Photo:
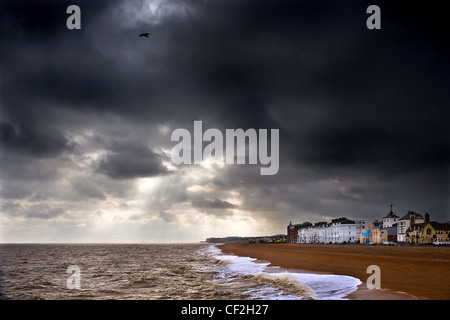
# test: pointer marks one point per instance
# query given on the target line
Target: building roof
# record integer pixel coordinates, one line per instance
(391, 231)
(440, 226)
(415, 226)
(391, 215)
(342, 220)
(437, 226)
(408, 215)
(320, 224)
(377, 224)
(299, 225)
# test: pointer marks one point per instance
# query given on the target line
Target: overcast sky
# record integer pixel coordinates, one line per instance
(87, 115)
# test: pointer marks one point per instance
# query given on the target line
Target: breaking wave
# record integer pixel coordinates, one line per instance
(287, 284)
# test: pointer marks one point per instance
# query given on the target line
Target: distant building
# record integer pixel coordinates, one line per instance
(405, 222)
(427, 232)
(360, 225)
(292, 231)
(374, 233)
(341, 230)
(392, 233)
(313, 233)
(390, 219)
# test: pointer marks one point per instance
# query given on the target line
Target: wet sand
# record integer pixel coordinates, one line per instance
(407, 272)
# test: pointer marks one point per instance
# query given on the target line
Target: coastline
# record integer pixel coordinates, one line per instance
(406, 272)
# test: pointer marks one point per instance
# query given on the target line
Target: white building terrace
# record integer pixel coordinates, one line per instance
(341, 230)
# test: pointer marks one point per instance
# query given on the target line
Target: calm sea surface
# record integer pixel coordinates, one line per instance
(153, 271)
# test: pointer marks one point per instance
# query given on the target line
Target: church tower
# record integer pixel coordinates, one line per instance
(390, 219)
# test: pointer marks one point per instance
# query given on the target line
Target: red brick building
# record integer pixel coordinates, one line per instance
(292, 231)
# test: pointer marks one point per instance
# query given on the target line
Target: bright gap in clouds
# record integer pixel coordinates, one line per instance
(152, 12)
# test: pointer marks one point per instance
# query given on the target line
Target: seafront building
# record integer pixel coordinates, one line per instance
(375, 233)
(381, 231)
(292, 231)
(390, 219)
(341, 230)
(405, 222)
(312, 233)
(412, 228)
(428, 232)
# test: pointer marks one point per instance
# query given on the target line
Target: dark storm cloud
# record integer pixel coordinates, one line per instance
(227, 65)
(33, 140)
(129, 161)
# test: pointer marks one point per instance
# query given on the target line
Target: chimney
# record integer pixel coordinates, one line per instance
(412, 217)
(427, 217)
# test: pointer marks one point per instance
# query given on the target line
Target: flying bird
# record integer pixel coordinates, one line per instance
(145, 35)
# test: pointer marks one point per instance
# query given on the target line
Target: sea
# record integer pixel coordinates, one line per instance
(199, 271)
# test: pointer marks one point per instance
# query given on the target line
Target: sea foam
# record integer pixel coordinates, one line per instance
(294, 285)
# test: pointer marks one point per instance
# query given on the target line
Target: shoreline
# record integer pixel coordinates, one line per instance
(407, 273)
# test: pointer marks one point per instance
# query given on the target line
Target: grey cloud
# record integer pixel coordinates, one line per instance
(86, 189)
(10, 207)
(201, 202)
(32, 140)
(22, 167)
(43, 211)
(11, 191)
(42, 196)
(129, 161)
(167, 217)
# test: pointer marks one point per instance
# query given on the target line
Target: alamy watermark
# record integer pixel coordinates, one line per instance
(374, 20)
(374, 280)
(74, 280)
(234, 146)
(74, 20)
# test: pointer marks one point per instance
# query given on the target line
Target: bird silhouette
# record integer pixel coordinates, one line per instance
(145, 35)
